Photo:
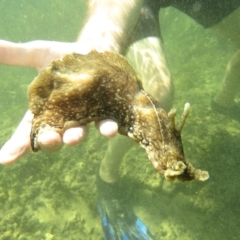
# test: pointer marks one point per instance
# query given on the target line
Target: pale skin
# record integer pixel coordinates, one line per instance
(38, 54)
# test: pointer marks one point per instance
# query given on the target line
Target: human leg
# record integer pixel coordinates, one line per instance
(231, 83)
(147, 57)
(224, 100)
(118, 217)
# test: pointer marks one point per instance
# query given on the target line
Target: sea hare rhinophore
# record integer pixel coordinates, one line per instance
(79, 89)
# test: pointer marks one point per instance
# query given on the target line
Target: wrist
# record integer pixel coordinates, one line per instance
(101, 36)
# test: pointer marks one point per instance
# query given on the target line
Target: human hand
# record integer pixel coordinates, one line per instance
(39, 54)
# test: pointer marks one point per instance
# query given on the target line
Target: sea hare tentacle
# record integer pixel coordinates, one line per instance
(79, 89)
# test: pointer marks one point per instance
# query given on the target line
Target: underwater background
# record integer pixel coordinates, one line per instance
(53, 196)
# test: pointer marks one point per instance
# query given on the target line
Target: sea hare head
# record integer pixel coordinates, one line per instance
(158, 134)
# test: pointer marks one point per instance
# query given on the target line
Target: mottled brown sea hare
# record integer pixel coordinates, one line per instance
(79, 89)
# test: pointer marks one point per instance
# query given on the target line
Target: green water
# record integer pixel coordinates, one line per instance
(53, 196)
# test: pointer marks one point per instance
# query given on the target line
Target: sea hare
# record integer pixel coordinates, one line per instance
(79, 89)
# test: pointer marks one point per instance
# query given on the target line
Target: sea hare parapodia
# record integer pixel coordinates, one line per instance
(79, 89)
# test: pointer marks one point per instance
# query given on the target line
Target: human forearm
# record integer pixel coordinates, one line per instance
(109, 24)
